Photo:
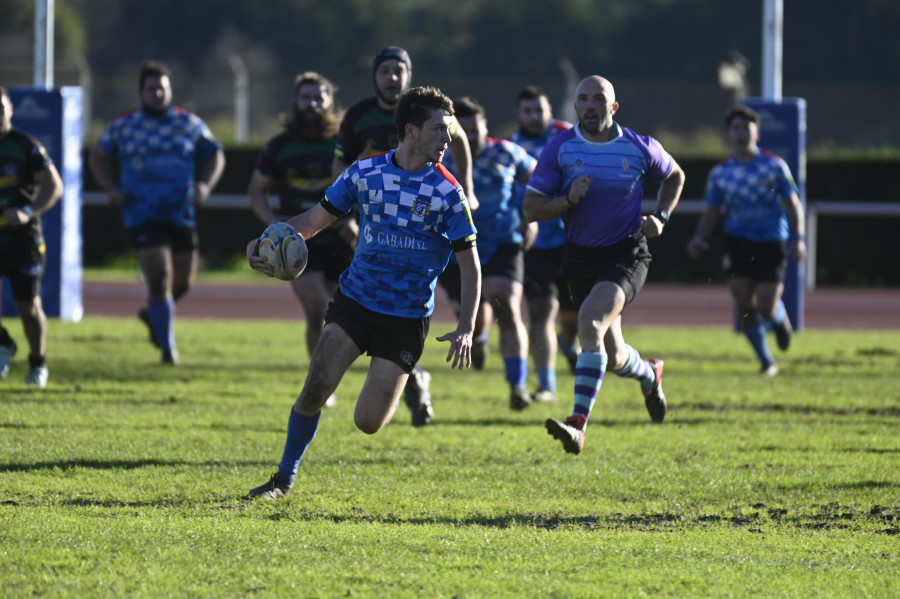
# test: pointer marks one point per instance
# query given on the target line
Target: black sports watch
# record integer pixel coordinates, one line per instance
(662, 215)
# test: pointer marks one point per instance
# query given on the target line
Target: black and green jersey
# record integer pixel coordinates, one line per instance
(366, 129)
(21, 156)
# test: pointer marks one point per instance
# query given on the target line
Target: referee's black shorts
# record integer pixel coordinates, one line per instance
(626, 264)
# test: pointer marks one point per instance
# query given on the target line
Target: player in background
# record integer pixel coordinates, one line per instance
(593, 176)
(546, 291)
(296, 164)
(368, 128)
(502, 235)
(754, 192)
(29, 186)
(156, 147)
(413, 215)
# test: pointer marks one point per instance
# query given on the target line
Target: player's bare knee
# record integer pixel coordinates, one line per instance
(366, 425)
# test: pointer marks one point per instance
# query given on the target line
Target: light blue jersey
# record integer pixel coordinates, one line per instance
(752, 196)
(611, 209)
(157, 160)
(551, 233)
(494, 172)
(408, 220)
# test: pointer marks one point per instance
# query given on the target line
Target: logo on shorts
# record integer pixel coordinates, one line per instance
(406, 358)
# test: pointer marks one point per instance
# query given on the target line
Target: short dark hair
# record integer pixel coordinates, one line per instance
(152, 68)
(417, 104)
(531, 92)
(739, 110)
(468, 106)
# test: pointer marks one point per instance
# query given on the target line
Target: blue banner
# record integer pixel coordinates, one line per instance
(53, 117)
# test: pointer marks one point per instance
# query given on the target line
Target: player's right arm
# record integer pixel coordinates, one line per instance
(50, 189)
(540, 207)
(343, 149)
(258, 190)
(705, 227)
(307, 224)
(102, 169)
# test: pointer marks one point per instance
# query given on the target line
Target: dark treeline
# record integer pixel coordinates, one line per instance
(841, 40)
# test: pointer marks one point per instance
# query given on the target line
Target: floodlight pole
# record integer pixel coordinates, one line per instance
(241, 98)
(773, 31)
(43, 43)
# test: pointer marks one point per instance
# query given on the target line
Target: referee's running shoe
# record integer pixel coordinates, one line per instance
(570, 432)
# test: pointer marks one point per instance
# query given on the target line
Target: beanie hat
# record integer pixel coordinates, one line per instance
(395, 52)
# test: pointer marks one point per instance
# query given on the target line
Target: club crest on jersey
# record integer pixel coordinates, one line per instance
(422, 206)
(376, 196)
(406, 358)
(626, 169)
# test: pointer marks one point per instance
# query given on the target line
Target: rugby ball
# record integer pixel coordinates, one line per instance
(285, 250)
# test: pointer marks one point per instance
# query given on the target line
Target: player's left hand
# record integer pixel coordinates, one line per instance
(460, 348)
(797, 249)
(201, 193)
(651, 226)
(13, 217)
(529, 235)
(256, 261)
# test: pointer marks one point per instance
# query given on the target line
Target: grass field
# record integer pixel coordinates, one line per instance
(124, 478)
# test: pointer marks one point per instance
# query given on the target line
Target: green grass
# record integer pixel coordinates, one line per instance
(127, 478)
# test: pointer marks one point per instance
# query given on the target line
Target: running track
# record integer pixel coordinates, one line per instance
(656, 305)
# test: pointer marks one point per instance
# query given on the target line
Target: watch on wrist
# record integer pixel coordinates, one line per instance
(662, 215)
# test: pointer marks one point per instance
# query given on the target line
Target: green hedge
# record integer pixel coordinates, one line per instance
(853, 251)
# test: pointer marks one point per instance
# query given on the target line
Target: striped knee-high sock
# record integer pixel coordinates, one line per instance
(589, 373)
(637, 368)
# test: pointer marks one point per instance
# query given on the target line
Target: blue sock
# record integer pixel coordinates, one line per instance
(589, 373)
(162, 317)
(516, 371)
(779, 313)
(301, 431)
(637, 368)
(568, 350)
(547, 379)
(756, 333)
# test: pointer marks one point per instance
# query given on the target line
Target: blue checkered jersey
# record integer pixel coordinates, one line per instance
(551, 233)
(408, 220)
(752, 196)
(157, 160)
(611, 210)
(494, 172)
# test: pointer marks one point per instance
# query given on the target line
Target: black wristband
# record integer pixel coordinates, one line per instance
(662, 216)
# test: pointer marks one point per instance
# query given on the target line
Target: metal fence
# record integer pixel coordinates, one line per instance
(814, 210)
